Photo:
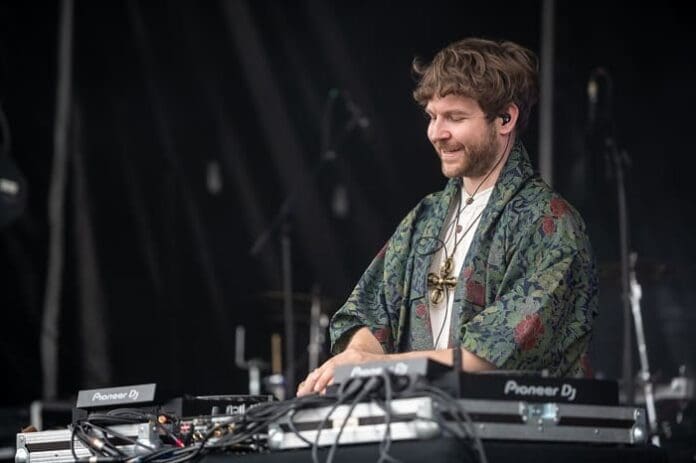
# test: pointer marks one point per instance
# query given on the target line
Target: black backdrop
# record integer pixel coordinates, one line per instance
(193, 121)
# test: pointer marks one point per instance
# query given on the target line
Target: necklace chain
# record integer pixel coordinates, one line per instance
(440, 283)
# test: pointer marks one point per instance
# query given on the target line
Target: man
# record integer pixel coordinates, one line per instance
(497, 264)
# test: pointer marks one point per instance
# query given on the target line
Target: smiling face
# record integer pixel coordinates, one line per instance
(464, 139)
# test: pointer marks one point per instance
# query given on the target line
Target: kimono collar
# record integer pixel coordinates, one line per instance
(516, 172)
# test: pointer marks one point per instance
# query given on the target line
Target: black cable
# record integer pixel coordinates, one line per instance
(312, 402)
(128, 416)
(293, 428)
(446, 406)
(86, 441)
(73, 433)
(369, 386)
(108, 448)
(112, 432)
(315, 444)
(343, 394)
(138, 416)
(385, 444)
(201, 445)
(253, 425)
(261, 417)
(458, 412)
(403, 389)
(247, 429)
(440, 418)
(185, 451)
(153, 456)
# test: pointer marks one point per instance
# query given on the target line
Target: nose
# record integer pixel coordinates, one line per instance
(438, 131)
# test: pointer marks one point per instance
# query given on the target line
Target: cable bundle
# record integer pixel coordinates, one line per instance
(248, 432)
(381, 390)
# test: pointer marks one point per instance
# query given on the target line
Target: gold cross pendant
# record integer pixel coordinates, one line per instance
(439, 284)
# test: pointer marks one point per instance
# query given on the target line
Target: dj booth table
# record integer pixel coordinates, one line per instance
(451, 450)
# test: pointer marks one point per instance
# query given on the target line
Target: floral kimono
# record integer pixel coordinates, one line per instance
(525, 298)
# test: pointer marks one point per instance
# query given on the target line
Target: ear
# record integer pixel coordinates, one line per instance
(505, 128)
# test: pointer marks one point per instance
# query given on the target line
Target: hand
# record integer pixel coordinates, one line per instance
(318, 379)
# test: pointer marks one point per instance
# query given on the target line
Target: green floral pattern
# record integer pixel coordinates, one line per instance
(526, 297)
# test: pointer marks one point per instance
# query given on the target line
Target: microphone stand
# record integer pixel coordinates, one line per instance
(645, 376)
(631, 294)
(281, 221)
(631, 291)
(602, 129)
(620, 159)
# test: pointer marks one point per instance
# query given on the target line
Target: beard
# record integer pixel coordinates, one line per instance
(478, 158)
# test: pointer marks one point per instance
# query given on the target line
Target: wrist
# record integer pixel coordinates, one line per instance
(364, 341)
(367, 349)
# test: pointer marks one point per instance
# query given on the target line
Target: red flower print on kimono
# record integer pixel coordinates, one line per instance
(558, 207)
(528, 331)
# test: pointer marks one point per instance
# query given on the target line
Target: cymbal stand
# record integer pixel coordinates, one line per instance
(645, 376)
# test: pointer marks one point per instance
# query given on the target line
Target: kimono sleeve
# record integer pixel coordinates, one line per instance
(541, 318)
(364, 307)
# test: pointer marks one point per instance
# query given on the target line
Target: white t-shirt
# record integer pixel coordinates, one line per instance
(470, 216)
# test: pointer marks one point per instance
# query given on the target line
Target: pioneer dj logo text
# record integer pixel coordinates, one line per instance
(566, 391)
(103, 397)
(399, 368)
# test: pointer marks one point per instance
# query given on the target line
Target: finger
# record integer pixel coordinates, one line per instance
(323, 380)
(307, 386)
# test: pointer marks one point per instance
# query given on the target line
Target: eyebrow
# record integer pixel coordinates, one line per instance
(453, 112)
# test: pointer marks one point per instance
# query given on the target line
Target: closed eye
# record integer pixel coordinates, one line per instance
(456, 117)
(449, 116)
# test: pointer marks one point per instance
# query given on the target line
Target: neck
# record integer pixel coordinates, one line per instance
(473, 185)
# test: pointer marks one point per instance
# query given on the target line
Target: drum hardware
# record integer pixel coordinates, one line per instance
(253, 366)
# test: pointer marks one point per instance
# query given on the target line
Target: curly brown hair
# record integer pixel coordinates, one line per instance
(495, 74)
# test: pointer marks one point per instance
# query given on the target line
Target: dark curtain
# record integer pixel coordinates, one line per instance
(194, 122)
